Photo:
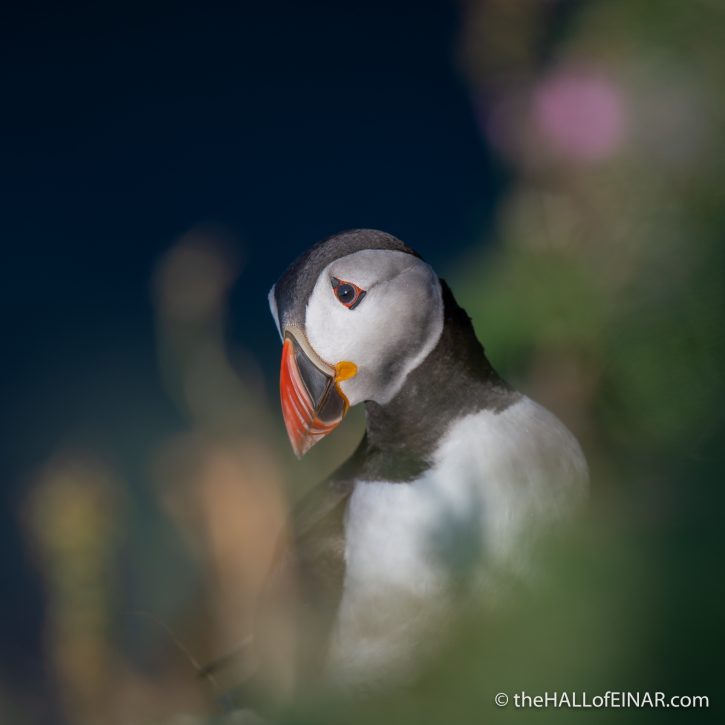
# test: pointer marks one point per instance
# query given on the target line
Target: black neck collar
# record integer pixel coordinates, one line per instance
(456, 379)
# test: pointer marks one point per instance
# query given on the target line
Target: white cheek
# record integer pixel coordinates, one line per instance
(392, 331)
(337, 333)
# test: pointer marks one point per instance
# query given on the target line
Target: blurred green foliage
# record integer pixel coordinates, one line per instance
(603, 296)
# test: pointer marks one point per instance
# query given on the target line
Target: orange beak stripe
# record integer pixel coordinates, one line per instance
(309, 417)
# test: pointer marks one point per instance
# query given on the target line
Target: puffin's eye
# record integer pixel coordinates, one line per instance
(348, 293)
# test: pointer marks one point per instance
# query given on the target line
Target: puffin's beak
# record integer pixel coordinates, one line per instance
(312, 403)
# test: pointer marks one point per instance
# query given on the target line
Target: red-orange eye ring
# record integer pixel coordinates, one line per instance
(347, 293)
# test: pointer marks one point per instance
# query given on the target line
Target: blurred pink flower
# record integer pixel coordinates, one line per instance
(580, 113)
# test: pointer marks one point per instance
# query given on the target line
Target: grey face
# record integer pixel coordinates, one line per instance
(388, 333)
(366, 310)
(288, 298)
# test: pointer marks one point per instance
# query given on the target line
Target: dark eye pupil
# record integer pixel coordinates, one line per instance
(345, 292)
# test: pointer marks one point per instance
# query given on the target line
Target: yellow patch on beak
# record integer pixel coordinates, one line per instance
(344, 371)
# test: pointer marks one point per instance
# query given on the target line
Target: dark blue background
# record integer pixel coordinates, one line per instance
(124, 127)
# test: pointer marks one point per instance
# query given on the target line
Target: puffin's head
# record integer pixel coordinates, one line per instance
(356, 314)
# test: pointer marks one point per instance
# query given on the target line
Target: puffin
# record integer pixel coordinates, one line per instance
(456, 476)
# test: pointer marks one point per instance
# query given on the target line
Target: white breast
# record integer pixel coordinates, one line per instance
(496, 478)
